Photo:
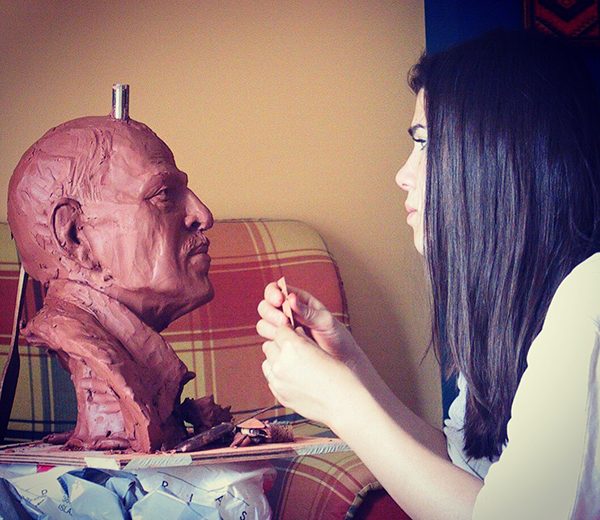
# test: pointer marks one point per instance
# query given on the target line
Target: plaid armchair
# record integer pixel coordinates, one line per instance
(219, 343)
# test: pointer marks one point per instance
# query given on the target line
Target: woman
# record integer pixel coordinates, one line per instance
(503, 195)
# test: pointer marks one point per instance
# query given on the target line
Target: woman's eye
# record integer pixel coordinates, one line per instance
(421, 142)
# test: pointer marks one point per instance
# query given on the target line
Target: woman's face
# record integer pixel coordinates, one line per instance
(411, 177)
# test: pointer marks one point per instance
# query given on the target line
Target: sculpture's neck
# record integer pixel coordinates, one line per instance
(110, 313)
(132, 374)
(145, 344)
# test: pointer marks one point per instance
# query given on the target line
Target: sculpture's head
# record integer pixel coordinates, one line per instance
(101, 201)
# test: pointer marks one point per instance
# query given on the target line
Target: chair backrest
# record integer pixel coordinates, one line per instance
(217, 341)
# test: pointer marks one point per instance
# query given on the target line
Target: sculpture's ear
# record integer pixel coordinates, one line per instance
(66, 229)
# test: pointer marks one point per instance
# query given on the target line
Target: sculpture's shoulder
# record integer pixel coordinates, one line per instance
(61, 325)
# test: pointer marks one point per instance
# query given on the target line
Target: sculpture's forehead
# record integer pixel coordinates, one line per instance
(131, 140)
(137, 138)
(97, 156)
(137, 153)
(138, 163)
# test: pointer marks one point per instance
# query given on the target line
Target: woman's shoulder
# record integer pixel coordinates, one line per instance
(571, 327)
(578, 295)
(553, 433)
(589, 267)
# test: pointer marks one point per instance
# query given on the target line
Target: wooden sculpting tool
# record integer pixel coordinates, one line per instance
(287, 310)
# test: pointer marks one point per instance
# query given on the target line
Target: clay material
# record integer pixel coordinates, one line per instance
(102, 215)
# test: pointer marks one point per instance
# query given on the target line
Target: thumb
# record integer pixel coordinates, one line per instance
(312, 317)
(310, 343)
(302, 333)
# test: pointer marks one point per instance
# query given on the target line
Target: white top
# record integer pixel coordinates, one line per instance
(550, 467)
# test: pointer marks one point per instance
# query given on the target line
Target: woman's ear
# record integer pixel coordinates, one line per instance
(66, 225)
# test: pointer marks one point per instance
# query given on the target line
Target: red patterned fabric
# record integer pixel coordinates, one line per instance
(328, 486)
(219, 343)
(574, 19)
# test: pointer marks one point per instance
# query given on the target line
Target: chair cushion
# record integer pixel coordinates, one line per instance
(328, 485)
(217, 341)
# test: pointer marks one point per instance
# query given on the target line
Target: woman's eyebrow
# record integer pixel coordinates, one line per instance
(413, 129)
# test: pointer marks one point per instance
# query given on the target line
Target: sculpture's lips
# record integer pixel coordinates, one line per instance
(201, 248)
(198, 255)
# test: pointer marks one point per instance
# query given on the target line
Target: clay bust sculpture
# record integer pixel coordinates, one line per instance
(102, 215)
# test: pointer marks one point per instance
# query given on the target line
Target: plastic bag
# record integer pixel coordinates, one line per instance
(101, 494)
(162, 504)
(45, 492)
(15, 507)
(237, 490)
(227, 491)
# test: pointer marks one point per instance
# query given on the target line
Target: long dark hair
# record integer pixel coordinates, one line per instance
(512, 206)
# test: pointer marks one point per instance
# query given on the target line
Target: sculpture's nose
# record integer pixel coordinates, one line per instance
(197, 216)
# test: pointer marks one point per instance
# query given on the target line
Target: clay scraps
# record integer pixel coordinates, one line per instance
(213, 424)
(253, 431)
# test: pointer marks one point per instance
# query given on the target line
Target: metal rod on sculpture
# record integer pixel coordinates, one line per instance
(120, 101)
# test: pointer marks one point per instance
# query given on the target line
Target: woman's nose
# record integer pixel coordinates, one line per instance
(197, 214)
(405, 178)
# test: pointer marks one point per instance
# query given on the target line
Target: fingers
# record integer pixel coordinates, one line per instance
(308, 309)
(301, 332)
(265, 329)
(271, 350)
(305, 297)
(312, 314)
(286, 338)
(266, 369)
(273, 295)
(288, 341)
(268, 373)
(271, 314)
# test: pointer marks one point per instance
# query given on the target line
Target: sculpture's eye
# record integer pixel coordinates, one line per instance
(163, 198)
(165, 189)
(162, 195)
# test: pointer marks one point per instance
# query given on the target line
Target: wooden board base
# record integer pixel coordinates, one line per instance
(52, 455)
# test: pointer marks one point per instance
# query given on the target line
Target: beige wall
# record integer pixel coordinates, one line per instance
(275, 109)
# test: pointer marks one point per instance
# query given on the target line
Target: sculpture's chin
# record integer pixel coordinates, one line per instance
(185, 305)
(155, 308)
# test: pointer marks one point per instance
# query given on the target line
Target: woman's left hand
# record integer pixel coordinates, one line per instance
(302, 376)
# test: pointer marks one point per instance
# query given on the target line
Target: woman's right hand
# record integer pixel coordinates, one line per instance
(328, 332)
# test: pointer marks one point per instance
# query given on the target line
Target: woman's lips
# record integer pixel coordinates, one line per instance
(410, 211)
